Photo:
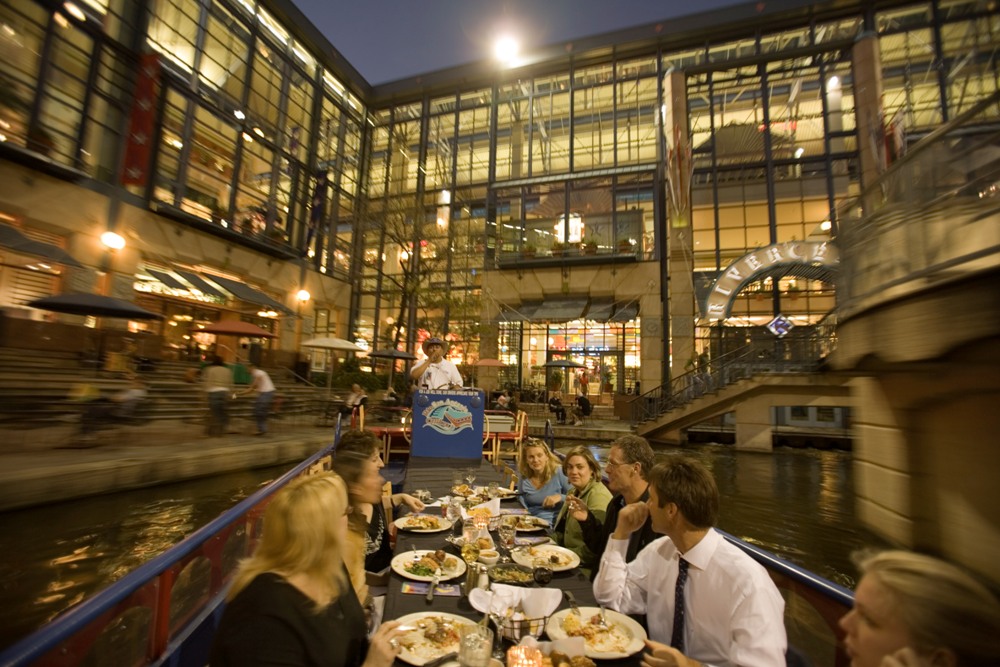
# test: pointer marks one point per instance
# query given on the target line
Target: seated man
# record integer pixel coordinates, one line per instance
(706, 601)
(119, 406)
(582, 409)
(556, 406)
(355, 399)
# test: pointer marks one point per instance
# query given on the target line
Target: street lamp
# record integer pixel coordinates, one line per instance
(112, 241)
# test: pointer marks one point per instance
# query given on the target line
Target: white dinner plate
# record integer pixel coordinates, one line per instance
(536, 524)
(632, 631)
(540, 556)
(419, 657)
(398, 563)
(403, 523)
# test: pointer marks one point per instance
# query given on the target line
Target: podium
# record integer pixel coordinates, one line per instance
(448, 423)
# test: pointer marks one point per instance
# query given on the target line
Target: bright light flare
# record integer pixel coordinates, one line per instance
(112, 240)
(505, 49)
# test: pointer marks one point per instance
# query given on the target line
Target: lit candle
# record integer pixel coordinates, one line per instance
(482, 521)
(523, 656)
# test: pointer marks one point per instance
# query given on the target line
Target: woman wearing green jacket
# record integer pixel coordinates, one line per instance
(584, 474)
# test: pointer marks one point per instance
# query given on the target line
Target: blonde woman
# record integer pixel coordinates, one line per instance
(912, 610)
(364, 490)
(291, 602)
(588, 494)
(543, 484)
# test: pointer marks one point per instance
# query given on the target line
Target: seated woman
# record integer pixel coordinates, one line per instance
(543, 484)
(290, 603)
(364, 491)
(377, 550)
(912, 610)
(588, 495)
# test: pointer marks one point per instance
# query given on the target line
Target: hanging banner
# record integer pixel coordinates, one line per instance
(142, 122)
(448, 423)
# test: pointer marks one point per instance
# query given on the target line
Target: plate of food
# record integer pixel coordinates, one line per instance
(511, 573)
(530, 524)
(422, 523)
(618, 637)
(484, 541)
(463, 490)
(552, 556)
(429, 635)
(423, 564)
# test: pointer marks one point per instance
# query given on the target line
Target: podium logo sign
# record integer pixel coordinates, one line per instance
(447, 417)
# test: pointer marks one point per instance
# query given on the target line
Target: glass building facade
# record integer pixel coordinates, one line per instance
(532, 214)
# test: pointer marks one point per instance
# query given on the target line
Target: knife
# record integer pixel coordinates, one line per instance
(434, 583)
(443, 659)
(571, 599)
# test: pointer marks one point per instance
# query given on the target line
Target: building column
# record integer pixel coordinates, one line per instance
(866, 66)
(680, 238)
(753, 425)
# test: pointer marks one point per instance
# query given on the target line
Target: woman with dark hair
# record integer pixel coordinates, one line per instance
(587, 492)
(543, 484)
(290, 603)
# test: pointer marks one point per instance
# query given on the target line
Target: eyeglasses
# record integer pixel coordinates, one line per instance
(615, 464)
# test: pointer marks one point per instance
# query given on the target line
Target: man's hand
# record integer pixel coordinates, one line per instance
(661, 655)
(553, 500)
(907, 657)
(577, 508)
(630, 519)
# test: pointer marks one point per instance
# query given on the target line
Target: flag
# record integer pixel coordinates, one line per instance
(141, 122)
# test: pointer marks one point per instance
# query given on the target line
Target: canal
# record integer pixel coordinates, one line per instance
(797, 503)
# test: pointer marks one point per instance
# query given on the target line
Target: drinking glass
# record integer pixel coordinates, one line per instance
(456, 478)
(506, 534)
(454, 511)
(475, 646)
(470, 531)
(493, 490)
(470, 476)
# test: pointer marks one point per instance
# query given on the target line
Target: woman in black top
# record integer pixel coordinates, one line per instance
(291, 603)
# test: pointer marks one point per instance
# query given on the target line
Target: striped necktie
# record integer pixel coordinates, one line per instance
(677, 636)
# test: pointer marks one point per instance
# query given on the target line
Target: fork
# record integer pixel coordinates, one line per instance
(603, 621)
(416, 556)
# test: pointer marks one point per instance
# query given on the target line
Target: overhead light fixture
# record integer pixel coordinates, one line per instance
(505, 49)
(247, 138)
(799, 152)
(74, 11)
(259, 132)
(239, 114)
(825, 225)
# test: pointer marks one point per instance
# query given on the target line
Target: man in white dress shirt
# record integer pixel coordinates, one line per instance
(436, 372)
(732, 613)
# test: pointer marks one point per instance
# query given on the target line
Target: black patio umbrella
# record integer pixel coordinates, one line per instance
(94, 304)
(393, 356)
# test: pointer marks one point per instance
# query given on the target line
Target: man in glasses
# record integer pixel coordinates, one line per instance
(627, 465)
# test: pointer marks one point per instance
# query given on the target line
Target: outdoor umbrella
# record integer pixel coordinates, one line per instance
(392, 355)
(566, 364)
(236, 328)
(329, 343)
(94, 304)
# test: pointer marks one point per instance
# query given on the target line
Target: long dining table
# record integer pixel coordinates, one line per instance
(435, 475)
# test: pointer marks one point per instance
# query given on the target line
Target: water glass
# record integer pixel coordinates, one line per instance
(493, 490)
(457, 477)
(454, 510)
(506, 534)
(470, 531)
(475, 646)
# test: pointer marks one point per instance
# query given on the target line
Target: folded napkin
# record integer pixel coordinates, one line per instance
(492, 505)
(536, 602)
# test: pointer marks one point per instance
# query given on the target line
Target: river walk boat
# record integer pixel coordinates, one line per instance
(166, 611)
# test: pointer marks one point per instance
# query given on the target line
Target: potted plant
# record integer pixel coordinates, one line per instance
(529, 251)
(590, 248)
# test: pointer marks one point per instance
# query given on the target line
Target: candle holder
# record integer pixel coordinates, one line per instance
(523, 656)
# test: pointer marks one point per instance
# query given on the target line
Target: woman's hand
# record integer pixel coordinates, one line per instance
(907, 657)
(553, 500)
(413, 503)
(384, 647)
(577, 508)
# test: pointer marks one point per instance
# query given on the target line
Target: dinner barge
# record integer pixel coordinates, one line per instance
(166, 611)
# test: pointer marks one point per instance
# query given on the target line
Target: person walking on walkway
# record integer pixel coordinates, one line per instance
(261, 383)
(218, 383)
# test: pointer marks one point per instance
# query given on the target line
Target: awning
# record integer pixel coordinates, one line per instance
(199, 284)
(561, 310)
(626, 312)
(13, 238)
(600, 312)
(249, 294)
(167, 279)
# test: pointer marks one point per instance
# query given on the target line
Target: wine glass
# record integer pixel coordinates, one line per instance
(454, 510)
(470, 476)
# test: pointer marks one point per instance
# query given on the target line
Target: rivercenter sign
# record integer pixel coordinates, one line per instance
(754, 265)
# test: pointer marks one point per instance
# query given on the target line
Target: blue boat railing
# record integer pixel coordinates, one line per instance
(165, 612)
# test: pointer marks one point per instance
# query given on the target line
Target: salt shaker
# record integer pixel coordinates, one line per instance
(484, 578)
(472, 577)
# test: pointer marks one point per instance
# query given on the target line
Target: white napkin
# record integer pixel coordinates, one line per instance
(492, 505)
(536, 602)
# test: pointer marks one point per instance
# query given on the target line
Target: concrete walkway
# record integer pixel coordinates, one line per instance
(46, 465)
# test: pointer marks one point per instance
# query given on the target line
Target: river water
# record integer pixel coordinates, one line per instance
(798, 504)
